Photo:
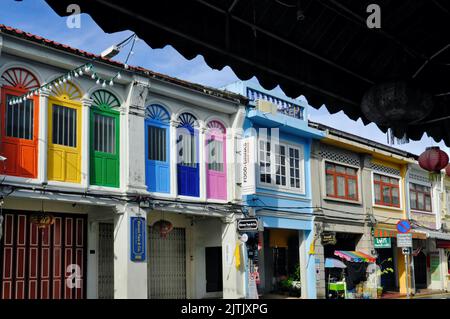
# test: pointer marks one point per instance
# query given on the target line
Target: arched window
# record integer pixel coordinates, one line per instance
(19, 123)
(157, 149)
(105, 139)
(187, 148)
(64, 133)
(216, 181)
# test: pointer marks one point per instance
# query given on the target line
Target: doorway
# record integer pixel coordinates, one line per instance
(420, 270)
(167, 264)
(213, 263)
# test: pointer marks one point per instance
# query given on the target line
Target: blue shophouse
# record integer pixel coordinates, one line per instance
(277, 187)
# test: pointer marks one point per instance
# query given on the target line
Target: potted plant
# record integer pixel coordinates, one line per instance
(379, 292)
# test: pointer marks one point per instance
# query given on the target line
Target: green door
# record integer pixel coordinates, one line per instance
(104, 140)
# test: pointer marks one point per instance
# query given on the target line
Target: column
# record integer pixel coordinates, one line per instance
(173, 157)
(319, 263)
(43, 135)
(233, 277)
(85, 142)
(307, 265)
(136, 135)
(130, 277)
(202, 161)
(92, 260)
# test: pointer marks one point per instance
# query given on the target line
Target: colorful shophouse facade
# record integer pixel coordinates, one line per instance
(364, 188)
(277, 187)
(81, 159)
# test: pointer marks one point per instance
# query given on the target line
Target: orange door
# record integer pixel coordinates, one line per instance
(19, 134)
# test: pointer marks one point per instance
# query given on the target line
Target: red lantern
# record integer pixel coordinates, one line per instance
(164, 227)
(433, 159)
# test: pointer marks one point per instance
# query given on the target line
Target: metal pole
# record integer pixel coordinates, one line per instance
(407, 276)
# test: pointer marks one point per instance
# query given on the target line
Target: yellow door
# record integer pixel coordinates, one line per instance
(64, 140)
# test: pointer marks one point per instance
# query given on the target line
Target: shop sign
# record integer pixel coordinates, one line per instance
(248, 166)
(382, 242)
(137, 238)
(404, 240)
(247, 224)
(328, 238)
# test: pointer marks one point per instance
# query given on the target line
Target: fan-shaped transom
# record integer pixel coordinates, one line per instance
(187, 120)
(156, 112)
(20, 78)
(103, 99)
(66, 91)
(216, 127)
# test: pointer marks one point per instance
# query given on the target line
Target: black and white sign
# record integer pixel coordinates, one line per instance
(404, 240)
(406, 251)
(247, 224)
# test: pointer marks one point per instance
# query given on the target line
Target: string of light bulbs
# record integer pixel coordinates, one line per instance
(87, 68)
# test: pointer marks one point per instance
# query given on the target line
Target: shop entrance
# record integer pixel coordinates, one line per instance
(385, 260)
(420, 270)
(213, 263)
(283, 262)
(43, 263)
(344, 241)
(167, 264)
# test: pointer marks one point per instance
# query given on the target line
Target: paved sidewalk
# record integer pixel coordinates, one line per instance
(423, 293)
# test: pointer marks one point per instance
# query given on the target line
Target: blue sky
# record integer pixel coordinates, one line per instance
(37, 17)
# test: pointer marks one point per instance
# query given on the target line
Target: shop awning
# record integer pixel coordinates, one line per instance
(435, 234)
(354, 256)
(321, 49)
(443, 244)
(391, 232)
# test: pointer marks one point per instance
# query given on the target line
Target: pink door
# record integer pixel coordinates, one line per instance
(216, 167)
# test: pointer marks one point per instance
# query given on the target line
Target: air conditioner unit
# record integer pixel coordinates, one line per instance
(266, 106)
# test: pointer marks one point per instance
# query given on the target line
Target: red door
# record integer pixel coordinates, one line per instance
(19, 124)
(46, 263)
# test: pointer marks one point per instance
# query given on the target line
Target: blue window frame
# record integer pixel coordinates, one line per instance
(157, 149)
(187, 149)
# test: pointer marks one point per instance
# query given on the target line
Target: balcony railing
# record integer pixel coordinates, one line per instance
(283, 107)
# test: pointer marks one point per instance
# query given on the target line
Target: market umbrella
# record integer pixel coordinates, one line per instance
(334, 263)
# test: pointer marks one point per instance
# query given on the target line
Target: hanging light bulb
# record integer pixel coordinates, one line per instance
(80, 72)
(126, 66)
(104, 84)
(65, 80)
(86, 68)
(111, 83)
(69, 77)
(93, 76)
(98, 81)
(60, 82)
(36, 92)
(118, 75)
(49, 87)
(56, 84)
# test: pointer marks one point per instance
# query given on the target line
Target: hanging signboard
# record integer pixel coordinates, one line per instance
(328, 238)
(247, 224)
(248, 166)
(404, 240)
(137, 238)
(382, 242)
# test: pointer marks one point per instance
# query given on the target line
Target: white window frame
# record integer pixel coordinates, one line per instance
(400, 190)
(272, 185)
